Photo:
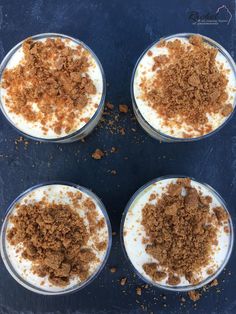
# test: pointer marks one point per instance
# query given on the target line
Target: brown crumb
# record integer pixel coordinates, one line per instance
(123, 281)
(138, 291)
(114, 149)
(110, 106)
(98, 154)
(210, 271)
(151, 270)
(173, 280)
(226, 229)
(113, 270)
(214, 283)
(152, 197)
(226, 111)
(113, 172)
(123, 108)
(122, 131)
(221, 214)
(194, 295)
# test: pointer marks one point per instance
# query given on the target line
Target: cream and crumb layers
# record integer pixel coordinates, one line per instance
(183, 87)
(56, 238)
(177, 234)
(51, 87)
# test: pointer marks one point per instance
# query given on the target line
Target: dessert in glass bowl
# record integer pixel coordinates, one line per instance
(52, 88)
(184, 88)
(56, 238)
(177, 233)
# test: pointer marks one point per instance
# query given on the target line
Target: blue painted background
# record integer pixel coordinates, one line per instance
(118, 31)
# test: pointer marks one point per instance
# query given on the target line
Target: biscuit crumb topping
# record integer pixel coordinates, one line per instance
(50, 85)
(56, 238)
(181, 233)
(188, 85)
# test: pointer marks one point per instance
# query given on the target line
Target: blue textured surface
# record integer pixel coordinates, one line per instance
(118, 31)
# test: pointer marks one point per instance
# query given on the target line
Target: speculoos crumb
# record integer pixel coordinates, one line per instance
(123, 108)
(98, 154)
(181, 233)
(139, 291)
(123, 281)
(110, 106)
(54, 76)
(55, 239)
(113, 270)
(194, 295)
(214, 283)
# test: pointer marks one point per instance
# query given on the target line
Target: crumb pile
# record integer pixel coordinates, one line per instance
(181, 231)
(56, 239)
(188, 85)
(115, 121)
(53, 76)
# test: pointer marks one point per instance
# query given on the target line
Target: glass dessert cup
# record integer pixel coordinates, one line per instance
(147, 125)
(128, 233)
(37, 287)
(94, 119)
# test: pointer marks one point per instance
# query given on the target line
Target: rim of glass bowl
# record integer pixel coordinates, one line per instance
(177, 288)
(158, 134)
(100, 106)
(14, 273)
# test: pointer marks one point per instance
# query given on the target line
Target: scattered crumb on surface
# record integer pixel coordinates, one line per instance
(214, 283)
(138, 291)
(21, 140)
(97, 154)
(123, 281)
(110, 106)
(113, 269)
(194, 295)
(123, 108)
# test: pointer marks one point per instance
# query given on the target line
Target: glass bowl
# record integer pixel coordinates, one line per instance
(24, 282)
(153, 132)
(90, 125)
(137, 265)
